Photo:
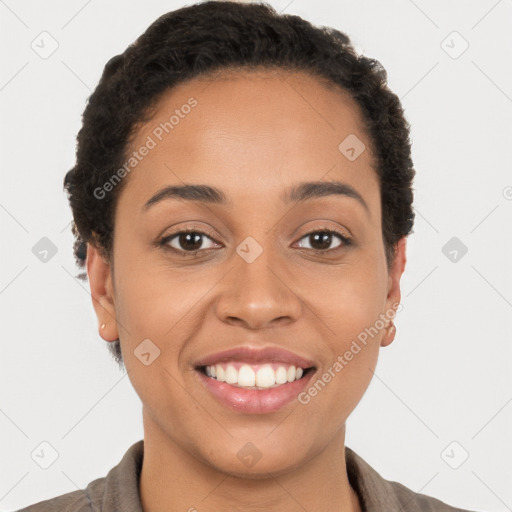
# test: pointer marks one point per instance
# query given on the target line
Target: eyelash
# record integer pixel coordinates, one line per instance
(163, 242)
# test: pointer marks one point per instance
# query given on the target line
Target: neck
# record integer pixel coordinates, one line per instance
(173, 479)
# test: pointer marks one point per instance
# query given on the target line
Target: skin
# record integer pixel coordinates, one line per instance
(253, 135)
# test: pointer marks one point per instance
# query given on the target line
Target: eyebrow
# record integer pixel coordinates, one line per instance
(298, 193)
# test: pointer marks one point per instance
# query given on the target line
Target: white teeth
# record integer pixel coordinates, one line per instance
(281, 375)
(221, 374)
(231, 375)
(260, 377)
(246, 376)
(265, 377)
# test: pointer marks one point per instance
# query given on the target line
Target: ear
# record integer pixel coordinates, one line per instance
(394, 295)
(100, 280)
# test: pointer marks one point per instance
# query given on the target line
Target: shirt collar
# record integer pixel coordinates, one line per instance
(374, 492)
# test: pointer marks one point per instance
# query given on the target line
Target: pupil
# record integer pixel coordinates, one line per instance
(325, 239)
(186, 238)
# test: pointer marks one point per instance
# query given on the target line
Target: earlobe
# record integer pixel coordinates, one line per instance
(100, 280)
(394, 293)
(389, 336)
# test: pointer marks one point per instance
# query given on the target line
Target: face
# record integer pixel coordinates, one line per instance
(268, 277)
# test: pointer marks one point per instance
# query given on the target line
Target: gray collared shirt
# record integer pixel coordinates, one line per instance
(119, 490)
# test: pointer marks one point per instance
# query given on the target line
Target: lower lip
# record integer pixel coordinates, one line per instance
(255, 401)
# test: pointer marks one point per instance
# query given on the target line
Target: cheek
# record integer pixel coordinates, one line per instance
(162, 306)
(349, 308)
(347, 298)
(349, 305)
(163, 310)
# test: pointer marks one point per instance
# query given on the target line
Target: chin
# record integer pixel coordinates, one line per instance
(255, 460)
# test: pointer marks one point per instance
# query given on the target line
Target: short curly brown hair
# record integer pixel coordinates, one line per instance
(206, 37)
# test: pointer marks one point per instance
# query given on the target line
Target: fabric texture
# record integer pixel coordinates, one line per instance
(119, 490)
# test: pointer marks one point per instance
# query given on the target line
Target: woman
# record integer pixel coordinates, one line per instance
(241, 198)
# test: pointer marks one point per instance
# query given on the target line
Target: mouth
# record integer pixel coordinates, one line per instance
(255, 376)
(254, 381)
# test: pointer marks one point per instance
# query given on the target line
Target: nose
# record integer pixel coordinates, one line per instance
(258, 295)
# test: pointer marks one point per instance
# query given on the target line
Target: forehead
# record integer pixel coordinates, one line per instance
(251, 133)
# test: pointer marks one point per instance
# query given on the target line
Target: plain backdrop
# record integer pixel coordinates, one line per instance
(437, 416)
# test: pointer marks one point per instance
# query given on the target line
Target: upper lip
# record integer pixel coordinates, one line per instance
(255, 355)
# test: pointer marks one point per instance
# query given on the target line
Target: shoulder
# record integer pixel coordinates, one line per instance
(116, 491)
(376, 493)
(416, 502)
(82, 500)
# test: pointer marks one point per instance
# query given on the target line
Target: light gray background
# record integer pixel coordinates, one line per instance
(445, 378)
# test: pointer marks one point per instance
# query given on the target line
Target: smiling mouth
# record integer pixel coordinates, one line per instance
(255, 376)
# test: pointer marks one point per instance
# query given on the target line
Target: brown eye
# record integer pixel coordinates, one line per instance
(190, 241)
(186, 241)
(321, 240)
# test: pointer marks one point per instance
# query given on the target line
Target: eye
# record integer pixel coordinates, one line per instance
(320, 240)
(186, 243)
(190, 242)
